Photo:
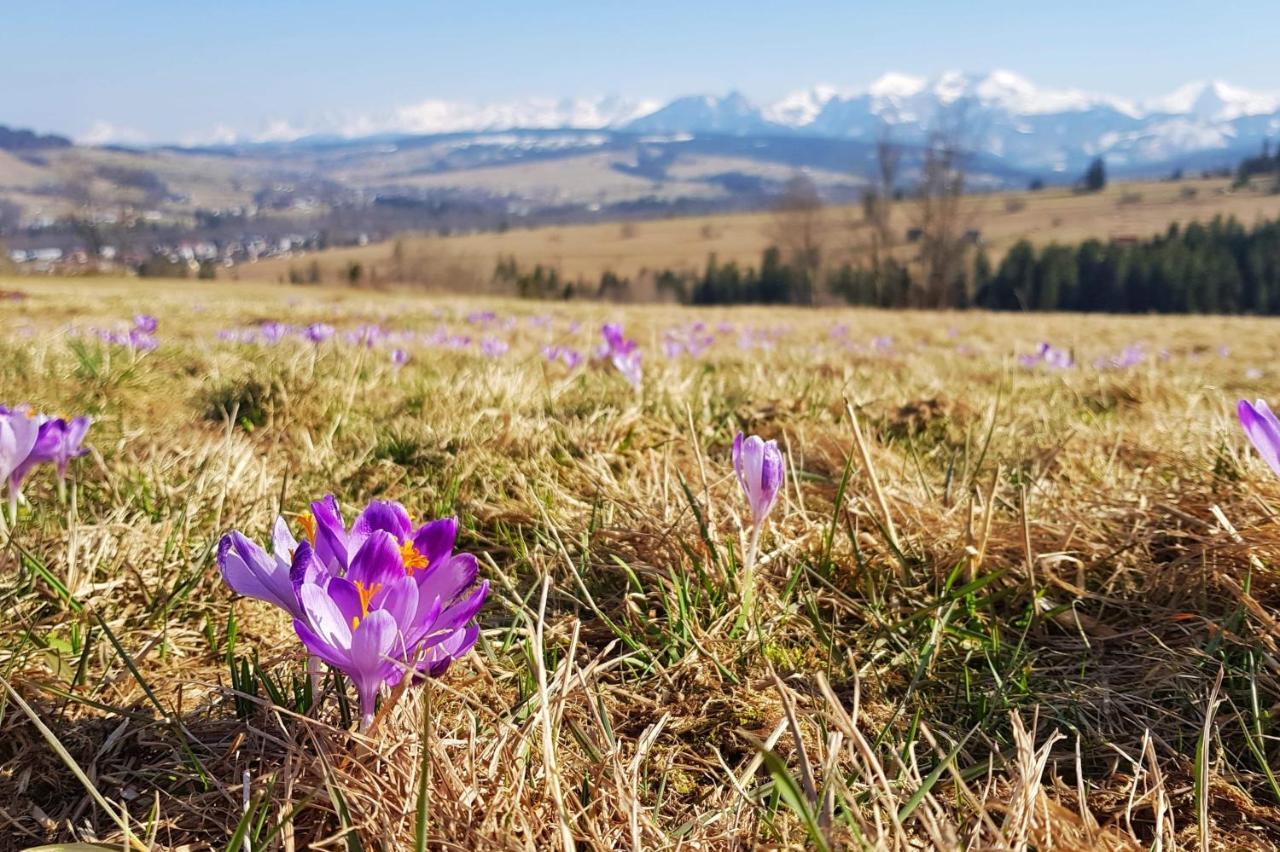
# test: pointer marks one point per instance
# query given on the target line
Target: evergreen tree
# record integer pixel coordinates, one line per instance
(1095, 177)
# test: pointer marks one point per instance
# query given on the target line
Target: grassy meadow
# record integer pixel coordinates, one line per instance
(998, 606)
(1123, 209)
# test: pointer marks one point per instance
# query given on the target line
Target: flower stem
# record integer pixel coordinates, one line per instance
(749, 575)
(316, 673)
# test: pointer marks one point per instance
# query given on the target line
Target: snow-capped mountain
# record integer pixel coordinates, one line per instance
(1003, 115)
(732, 114)
(1026, 128)
(800, 108)
(1214, 101)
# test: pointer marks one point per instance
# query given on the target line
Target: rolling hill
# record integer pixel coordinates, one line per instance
(447, 167)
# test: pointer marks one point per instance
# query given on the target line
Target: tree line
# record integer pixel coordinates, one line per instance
(1220, 266)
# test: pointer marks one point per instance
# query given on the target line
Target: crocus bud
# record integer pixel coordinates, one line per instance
(1263, 431)
(758, 464)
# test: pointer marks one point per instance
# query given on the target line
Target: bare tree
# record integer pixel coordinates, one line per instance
(85, 219)
(10, 216)
(877, 201)
(941, 222)
(798, 230)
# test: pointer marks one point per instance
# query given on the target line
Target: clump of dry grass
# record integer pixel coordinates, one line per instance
(1048, 621)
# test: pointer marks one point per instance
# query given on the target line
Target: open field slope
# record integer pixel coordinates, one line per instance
(1035, 608)
(1122, 210)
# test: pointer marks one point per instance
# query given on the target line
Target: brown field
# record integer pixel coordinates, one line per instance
(1004, 608)
(1123, 209)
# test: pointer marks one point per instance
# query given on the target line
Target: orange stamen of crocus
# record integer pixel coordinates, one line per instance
(308, 524)
(413, 560)
(366, 595)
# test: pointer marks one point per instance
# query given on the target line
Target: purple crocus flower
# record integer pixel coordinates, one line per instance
(318, 332)
(145, 323)
(141, 341)
(758, 464)
(622, 352)
(379, 602)
(567, 356)
(273, 332)
(366, 335)
(1130, 356)
(1263, 431)
(19, 431)
(399, 357)
(28, 439)
(135, 338)
(384, 621)
(1048, 355)
(493, 347)
(692, 340)
(59, 441)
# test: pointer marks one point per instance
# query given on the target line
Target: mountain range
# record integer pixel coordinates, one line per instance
(1048, 132)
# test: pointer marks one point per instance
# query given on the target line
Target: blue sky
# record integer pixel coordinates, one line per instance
(160, 70)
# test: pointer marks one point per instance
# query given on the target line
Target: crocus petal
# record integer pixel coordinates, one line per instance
(325, 618)
(400, 599)
(750, 463)
(463, 611)
(237, 574)
(76, 431)
(377, 562)
(306, 568)
(316, 646)
(423, 623)
(249, 571)
(346, 597)
(771, 473)
(448, 579)
(442, 655)
(283, 544)
(274, 576)
(435, 540)
(331, 533)
(1263, 431)
(759, 468)
(18, 434)
(385, 515)
(70, 447)
(370, 644)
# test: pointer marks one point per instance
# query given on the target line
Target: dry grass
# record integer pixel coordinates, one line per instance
(1079, 557)
(684, 243)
